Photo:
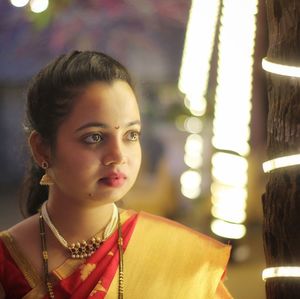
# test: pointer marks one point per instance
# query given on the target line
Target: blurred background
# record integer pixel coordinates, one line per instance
(197, 69)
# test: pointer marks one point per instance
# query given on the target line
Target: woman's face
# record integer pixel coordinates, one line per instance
(97, 154)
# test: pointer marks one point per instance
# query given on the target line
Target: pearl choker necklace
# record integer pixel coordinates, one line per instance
(48, 282)
(84, 248)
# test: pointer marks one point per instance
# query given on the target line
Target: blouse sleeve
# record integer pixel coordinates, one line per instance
(10, 275)
(2, 293)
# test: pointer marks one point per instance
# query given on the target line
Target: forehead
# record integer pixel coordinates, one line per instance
(111, 103)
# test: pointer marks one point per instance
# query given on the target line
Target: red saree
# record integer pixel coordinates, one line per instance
(162, 259)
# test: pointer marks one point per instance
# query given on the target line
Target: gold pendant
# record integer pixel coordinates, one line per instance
(84, 249)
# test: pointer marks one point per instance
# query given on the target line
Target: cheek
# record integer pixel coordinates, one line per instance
(137, 159)
(75, 162)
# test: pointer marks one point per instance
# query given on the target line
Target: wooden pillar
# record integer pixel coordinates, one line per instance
(281, 202)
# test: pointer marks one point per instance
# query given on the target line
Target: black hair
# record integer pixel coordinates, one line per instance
(50, 98)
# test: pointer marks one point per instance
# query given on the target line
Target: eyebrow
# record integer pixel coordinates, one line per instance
(105, 126)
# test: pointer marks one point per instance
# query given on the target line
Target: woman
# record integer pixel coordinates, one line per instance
(83, 123)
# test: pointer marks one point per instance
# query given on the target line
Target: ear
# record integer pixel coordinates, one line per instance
(40, 150)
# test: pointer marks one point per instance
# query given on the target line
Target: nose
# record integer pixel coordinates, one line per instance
(114, 154)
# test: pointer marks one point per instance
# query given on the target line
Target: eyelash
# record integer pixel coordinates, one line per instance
(100, 137)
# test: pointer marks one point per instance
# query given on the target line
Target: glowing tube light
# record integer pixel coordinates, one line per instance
(233, 132)
(193, 125)
(198, 48)
(280, 69)
(193, 161)
(191, 179)
(281, 162)
(232, 116)
(193, 80)
(190, 184)
(230, 214)
(284, 271)
(228, 230)
(229, 194)
(193, 150)
(229, 169)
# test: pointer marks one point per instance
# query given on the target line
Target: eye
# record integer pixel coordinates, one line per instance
(93, 138)
(133, 135)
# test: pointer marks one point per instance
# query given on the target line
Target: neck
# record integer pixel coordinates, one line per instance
(76, 222)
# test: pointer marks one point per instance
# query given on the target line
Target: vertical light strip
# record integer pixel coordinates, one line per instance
(231, 126)
(193, 79)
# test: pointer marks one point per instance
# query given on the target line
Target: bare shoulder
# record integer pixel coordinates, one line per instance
(26, 237)
(26, 230)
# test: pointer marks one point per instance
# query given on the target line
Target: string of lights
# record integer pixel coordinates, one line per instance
(193, 80)
(283, 271)
(280, 69)
(231, 134)
(281, 162)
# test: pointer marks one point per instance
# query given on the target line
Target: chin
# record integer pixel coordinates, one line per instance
(107, 198)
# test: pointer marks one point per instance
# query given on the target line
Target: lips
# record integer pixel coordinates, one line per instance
(115, 179)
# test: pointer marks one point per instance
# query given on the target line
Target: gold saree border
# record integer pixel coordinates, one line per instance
(24, 265)
(185, 264)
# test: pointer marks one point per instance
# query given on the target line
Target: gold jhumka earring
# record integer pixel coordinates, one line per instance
(46, 179)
